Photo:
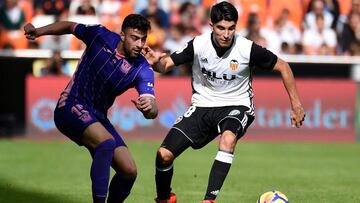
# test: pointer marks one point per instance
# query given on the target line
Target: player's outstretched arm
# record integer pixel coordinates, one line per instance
(147, 105)
(161, 62)
(297, 111)
(164, 65)
(57, 28)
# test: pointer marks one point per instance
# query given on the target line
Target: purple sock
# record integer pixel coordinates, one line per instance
(100, 169)
(120, 188)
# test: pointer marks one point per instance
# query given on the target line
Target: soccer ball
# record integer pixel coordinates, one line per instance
(273, 197)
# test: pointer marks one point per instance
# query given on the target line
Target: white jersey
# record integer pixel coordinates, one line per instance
(223, 80)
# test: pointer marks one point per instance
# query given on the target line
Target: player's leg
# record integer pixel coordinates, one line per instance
(231, 129)
(173, 145)
(124, 166)
(125, 175)
(102, 145)
(221, 165)
(77, 122)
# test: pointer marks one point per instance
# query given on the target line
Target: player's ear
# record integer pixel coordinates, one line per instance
(122, 35)
(211, 25)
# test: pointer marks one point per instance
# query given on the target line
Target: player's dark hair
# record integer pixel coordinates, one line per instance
(223, 11)
(136, 21)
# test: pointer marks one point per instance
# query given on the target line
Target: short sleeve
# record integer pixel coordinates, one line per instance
(87, 33)
(145, 81)
(185, 55)
(262, 58)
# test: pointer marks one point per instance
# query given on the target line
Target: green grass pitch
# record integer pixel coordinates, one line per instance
(56, 172)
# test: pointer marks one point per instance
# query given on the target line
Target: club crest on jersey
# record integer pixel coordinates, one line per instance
(234, 112)
(234, 64)
(125, 67)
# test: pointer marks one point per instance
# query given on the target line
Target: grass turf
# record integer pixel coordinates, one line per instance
(55, 172)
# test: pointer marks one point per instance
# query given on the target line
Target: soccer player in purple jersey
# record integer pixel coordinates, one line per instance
(110, 65)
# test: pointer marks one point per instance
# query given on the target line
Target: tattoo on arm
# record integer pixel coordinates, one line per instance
(151, 111)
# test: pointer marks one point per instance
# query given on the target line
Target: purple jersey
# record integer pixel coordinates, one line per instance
(102, 73)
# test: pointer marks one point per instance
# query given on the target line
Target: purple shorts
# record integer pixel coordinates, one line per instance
(73, 118)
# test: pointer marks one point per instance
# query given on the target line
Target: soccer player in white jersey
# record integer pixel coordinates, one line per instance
(222, 100)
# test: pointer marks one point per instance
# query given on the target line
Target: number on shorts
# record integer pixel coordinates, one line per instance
(189, 111)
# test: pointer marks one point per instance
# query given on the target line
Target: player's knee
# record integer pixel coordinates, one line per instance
(107, 145)
(130, 171)
(164, 157)
(228, 141)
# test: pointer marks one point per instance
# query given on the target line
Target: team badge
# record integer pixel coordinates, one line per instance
(178, 120)
(125, 67)
(234, 112)
(234, 64)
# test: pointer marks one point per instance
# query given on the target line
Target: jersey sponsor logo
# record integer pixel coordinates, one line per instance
(234, 64)
(212, 76)
(234, 112)
(204, 60)
(150, 84)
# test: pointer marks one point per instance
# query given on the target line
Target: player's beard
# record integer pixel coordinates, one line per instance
(132, 52)
(135, 52)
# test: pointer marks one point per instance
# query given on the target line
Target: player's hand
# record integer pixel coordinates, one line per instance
(30, 31)
(151, 56)
(143, 104)
(297, 116)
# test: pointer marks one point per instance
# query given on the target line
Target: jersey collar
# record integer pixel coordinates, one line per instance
(220, 51)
